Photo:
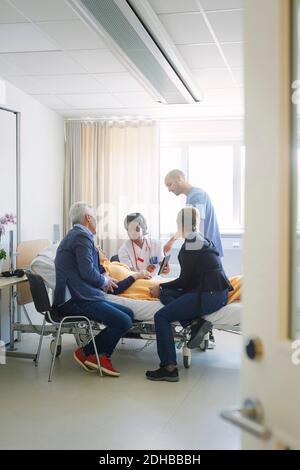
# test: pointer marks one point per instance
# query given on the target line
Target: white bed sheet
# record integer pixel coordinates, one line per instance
(144, 310)
(230, 315)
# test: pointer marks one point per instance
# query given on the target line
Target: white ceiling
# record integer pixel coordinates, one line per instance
(50, 53)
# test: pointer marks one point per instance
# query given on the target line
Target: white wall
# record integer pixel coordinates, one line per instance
(42, 171)
(8, 200)
(42, 165)
(202, 130)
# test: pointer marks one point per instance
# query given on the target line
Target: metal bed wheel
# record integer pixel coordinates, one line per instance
(187, 356)
(204, 345)
(84, 339)
(58, 351)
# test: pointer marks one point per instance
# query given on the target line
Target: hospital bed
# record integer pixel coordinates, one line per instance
(227, 319)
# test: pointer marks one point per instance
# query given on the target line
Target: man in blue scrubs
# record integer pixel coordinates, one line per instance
(176, 183)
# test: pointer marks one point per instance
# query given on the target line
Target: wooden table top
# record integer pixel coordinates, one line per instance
(10, 281)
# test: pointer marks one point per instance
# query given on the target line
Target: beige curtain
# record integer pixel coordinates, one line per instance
(72, 169)
(114, 166)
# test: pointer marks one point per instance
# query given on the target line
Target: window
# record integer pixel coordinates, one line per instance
(211, 168)
(216, 168)
(170, 205)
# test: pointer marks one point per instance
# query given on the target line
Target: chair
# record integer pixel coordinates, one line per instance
(26, 252)
(42, 304)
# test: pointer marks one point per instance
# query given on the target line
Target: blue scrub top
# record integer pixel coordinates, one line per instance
(208, 225)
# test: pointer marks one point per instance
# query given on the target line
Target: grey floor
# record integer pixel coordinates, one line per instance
(79, 410)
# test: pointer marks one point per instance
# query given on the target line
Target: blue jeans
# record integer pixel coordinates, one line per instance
(116, 318)
(183, 308)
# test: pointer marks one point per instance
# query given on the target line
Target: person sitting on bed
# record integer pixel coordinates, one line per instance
(201, 289)
(140, 252)
(136, 297)
(80, 282)
(43, 264)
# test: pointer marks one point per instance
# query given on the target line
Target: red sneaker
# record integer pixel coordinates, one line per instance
(81, 358)
(106, 365)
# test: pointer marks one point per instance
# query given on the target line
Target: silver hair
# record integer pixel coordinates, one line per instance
(78, 210)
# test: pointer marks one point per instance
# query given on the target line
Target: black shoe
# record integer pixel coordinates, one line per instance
(211, 336)
(163, 374)
(198, 331)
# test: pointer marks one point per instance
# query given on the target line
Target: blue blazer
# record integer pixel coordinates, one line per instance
(77, 267)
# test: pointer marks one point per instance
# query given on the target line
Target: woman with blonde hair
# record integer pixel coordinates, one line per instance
(201, 289)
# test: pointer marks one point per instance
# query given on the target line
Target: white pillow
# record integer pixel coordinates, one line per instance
(43, 264)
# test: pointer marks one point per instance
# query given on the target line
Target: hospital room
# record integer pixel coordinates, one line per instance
(149, 228)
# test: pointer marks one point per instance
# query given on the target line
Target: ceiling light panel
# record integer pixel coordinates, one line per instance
(119, 24)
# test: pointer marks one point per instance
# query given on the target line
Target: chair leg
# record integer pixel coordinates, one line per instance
(55, 350)
(37, 357)
(77, 337)
(95, 349)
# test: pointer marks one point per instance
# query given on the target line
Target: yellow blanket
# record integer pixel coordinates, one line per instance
(139, 290)
(235, 294)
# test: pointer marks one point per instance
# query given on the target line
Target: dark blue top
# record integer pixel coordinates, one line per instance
(201, 268)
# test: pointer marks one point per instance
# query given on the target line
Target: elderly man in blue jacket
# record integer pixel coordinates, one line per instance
(80, 287)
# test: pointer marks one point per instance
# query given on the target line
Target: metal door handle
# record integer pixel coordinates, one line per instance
(249, 417)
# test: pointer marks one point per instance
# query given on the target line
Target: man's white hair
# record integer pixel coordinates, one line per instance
(78, 211)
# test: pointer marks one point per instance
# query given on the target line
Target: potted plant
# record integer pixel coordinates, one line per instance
(2, 258)
(5, 220)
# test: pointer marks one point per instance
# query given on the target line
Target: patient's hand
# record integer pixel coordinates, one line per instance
(141, 275)
(154, 291)
(166, 269)
(150, 268)
(112, 284)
